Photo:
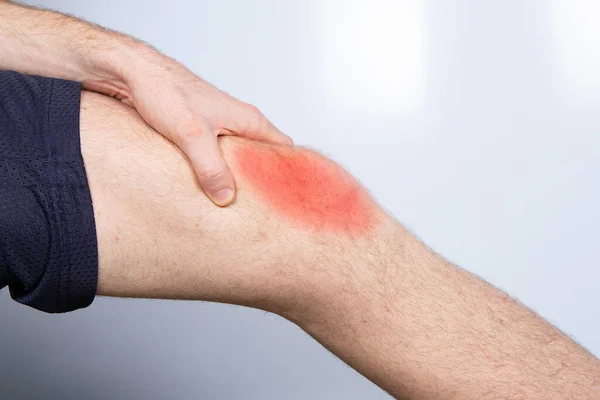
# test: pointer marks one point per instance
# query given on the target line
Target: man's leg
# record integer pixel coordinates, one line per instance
(304, 240)
(159, 236)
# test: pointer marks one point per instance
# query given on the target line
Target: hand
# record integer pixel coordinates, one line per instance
(192, 114)
(182, 107)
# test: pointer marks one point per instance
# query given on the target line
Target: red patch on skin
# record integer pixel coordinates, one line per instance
(306, 188)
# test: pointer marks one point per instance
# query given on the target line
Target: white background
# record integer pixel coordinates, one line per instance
(477, 124)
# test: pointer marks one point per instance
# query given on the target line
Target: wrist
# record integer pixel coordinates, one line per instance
(111, 56)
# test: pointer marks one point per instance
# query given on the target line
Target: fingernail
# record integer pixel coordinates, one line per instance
(224, 196)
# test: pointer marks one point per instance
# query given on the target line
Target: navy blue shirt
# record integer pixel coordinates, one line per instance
(48, 246)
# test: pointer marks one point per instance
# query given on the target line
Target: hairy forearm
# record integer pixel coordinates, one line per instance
(423, 328)
(42, 42)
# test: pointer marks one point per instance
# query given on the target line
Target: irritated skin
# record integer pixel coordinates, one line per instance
(305, 188)
(414, 324)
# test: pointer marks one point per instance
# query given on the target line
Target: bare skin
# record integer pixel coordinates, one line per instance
(416, 325)
(178, 104)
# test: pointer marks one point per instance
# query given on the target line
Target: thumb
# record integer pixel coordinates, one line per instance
(202, 148)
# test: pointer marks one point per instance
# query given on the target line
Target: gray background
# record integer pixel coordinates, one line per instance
(476, 123)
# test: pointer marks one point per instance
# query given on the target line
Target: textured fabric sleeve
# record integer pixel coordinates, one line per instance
(48, 246)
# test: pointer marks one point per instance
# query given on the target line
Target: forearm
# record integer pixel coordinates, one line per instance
(424, 329)
(42, 42)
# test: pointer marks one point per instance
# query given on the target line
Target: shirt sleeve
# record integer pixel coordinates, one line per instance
(48, 245)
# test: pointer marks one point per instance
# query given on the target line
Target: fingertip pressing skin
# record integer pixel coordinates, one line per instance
(224, 197)
(306, 188)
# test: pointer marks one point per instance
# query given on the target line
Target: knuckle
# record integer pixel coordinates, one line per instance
(253, 110)
(212, 176)
(254, 113)
(189, 131)
(256, 119)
